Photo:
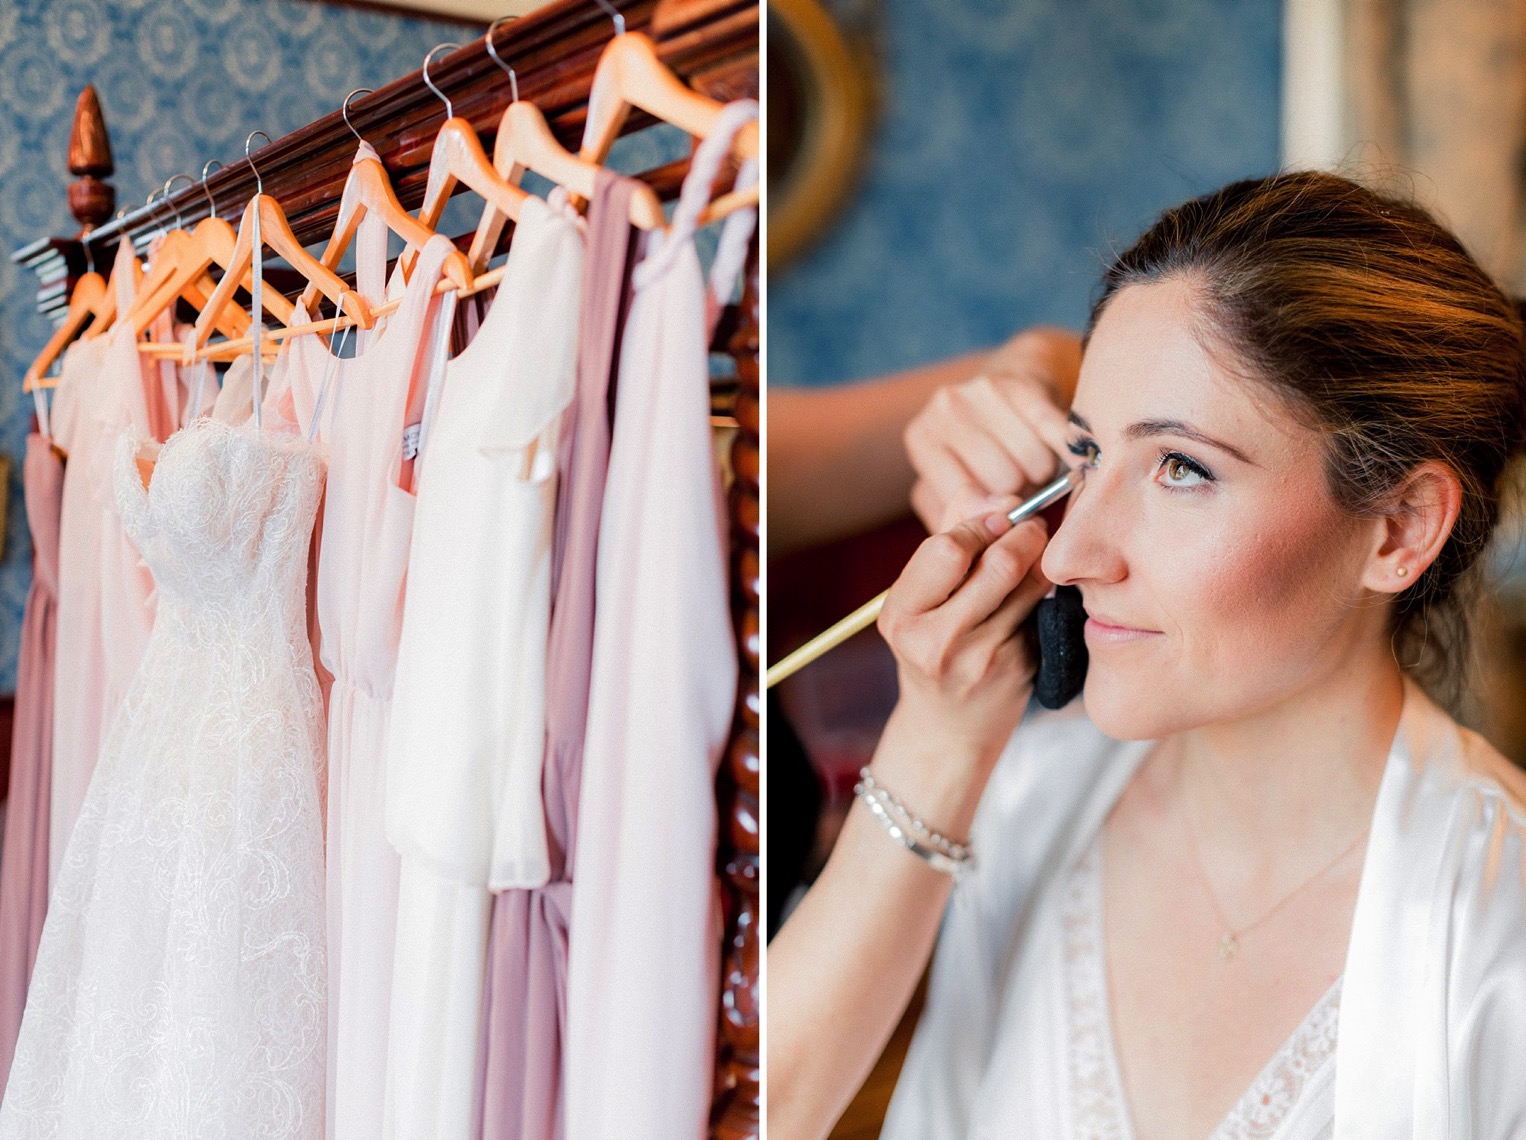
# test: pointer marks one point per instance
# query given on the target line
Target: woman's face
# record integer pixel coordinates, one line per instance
(1219, 575)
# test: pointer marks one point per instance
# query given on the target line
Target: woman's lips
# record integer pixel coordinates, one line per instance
(1106, 631)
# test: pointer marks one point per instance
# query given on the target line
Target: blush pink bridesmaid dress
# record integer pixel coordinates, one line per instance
(24, 859)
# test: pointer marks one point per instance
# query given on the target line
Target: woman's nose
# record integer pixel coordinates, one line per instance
(1086, 546)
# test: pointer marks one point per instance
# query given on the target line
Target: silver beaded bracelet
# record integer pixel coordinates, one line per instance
(940, 852)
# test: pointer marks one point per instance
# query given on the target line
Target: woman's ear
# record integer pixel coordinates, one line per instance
(1412, 531)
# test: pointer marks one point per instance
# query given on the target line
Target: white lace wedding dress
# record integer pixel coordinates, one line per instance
(179, 988)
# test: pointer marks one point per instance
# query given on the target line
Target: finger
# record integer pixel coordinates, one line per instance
(937, 567)
(928, 505)
(1018, 604)
(1050, 421)
(970, 508)
(1000, 569)
(1010, 624)
(937, 464)
(1005, 417)
(980, 446)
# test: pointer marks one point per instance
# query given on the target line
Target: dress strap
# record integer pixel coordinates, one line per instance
(257, 318)
(127, 289)
(370, 245)
(188, 340)
(40, 405)
(737, 229)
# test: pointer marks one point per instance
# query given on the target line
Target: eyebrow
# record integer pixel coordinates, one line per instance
(1146, 429)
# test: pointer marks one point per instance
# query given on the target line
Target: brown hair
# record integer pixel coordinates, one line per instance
(1376, 327)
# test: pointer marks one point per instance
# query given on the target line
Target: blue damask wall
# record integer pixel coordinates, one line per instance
(180, 83)
(1018, 141)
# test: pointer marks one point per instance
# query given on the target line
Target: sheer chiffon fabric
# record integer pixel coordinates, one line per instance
(644, 968)
(105, 593)
(520, 1079)
(467, 736)
(362, 564)
(24, 857)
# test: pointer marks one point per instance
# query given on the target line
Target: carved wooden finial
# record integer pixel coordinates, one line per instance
(91, 200)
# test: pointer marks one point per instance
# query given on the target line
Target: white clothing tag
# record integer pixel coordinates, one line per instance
(40, 403)
(411, 440)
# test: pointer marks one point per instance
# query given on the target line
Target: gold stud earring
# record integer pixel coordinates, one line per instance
(1402, 571)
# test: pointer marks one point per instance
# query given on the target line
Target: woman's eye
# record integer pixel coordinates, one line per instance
(1183, 472)
(1086, 450)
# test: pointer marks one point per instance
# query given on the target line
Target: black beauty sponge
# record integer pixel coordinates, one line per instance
(1062, 648)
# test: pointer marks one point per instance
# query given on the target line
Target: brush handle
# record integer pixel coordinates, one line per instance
(830, 638)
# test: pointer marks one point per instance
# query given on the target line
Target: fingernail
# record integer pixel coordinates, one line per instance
(997, 524)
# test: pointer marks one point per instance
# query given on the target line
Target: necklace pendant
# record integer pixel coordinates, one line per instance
(1228, 945)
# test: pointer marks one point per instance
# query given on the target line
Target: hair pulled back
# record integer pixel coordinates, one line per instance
(1379, 330)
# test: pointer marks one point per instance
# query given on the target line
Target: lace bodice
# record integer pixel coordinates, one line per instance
(224, 524)
(1098, 1105)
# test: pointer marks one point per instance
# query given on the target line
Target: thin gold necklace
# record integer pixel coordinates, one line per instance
(1229, 941)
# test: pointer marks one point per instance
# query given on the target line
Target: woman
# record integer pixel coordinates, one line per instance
(1263, 885)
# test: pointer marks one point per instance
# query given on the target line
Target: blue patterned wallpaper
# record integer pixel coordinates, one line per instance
(1018, 141)
(180, 83)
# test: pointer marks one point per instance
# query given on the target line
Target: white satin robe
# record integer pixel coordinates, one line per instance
(1432, 1027)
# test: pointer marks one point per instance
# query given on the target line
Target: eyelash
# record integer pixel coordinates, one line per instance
(1191, 464)
(1086, 450)
(1089, 453)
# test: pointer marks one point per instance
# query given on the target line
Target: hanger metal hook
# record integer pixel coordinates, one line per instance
(207, 190)
(153, 213)
(450, 110)
(259, 183)
(170, 198)
(613, 15)
(493, 51)
(344, 109)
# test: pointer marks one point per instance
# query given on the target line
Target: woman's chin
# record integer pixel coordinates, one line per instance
(1126, 706)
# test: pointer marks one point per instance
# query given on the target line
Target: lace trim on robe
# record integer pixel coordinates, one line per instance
(1099, 1109)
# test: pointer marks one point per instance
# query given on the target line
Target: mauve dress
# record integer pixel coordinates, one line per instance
(525, 998)
(24, 860)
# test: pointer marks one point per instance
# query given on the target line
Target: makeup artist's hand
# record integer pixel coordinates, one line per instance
(1001, 433)
(965, 669)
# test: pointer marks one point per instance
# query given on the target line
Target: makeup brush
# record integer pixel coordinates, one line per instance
(864, 616)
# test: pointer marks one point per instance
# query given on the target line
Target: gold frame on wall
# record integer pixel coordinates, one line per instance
(835, 81)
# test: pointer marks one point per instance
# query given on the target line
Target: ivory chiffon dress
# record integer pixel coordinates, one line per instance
(467, 737)
(520, 1081)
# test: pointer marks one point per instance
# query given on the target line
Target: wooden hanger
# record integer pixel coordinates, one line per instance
(84, 302)
(106, 311)
(628, 75)
(182, 272)
(195, 287)
(458, 157)
(213, 241)
(525, 142)
(368, 189)
(275, 234)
